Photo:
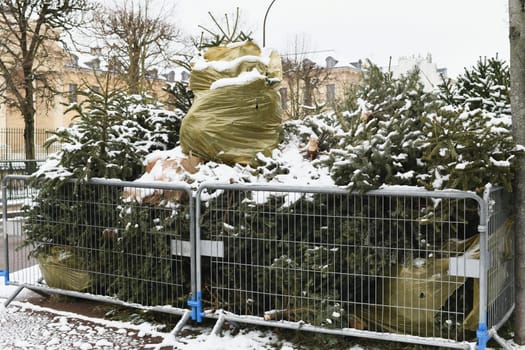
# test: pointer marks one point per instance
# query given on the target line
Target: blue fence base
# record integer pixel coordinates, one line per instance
(196, 307)
(5, 273)
(483, 336)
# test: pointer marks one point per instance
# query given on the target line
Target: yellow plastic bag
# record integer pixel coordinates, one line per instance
(61, 270)
(236, 112)
(413, 296)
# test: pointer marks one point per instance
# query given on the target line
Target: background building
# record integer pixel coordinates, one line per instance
(431, 76)
(70, 74)
(315, 81)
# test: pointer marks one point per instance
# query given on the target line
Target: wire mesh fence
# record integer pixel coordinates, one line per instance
(16, 255)
(501, 252)
(12, 151)
(18, 167)
(402, 264)
(114, 241)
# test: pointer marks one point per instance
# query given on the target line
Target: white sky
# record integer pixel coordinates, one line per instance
(455, 32)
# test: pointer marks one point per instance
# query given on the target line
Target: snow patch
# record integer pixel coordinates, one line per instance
(244, 78)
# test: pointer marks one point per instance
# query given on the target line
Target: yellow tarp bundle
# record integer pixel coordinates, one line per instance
(413, 296)
(236, 112)
(61, 270)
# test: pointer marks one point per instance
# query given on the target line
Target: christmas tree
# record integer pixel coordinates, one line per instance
(380, 146)
(469, 137)
(110, 138)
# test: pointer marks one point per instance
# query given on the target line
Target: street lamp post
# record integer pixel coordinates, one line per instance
(264, 23)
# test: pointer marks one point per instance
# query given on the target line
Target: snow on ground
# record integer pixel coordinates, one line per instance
(25, 325)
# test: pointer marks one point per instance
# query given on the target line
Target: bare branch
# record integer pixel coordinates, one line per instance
(28, 29)
(137, 40)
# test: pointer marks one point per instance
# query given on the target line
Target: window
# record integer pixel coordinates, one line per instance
(152, 74)
(330, 93)
(73, 61)
(95, 63)
(96, 51)
(330, 62)
(307, 96)
(170, 77)
(284, 97)
(73, 93)
(114, 64)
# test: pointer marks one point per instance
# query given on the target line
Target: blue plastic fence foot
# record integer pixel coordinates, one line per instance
(5, 273)
(483, 336)
(196, 307)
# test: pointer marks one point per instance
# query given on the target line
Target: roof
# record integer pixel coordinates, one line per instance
(326, 58)
(95, 60)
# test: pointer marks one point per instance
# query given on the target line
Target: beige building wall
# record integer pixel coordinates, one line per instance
(340, 78)
(68, 79)
(50, 114)
(80, 79)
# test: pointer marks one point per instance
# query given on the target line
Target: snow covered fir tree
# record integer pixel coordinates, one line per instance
(394, 134)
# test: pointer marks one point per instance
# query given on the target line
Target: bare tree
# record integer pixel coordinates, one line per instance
(517, 96)
(137, 39)
(29, 31)
(303, 78)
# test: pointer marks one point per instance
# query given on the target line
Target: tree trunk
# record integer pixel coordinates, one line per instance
(28, 112)
(133, 74)
(517, 74)
(29, 144)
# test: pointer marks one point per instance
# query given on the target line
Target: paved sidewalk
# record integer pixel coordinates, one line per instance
(26, 326)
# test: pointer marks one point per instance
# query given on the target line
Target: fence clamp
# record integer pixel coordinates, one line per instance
(196, 304)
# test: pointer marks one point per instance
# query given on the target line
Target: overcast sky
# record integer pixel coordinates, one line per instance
(455, 32)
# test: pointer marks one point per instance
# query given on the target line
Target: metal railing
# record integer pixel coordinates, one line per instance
(408, 265)
(12, 144)
(499, 266)
(12, 151)
(18, 167)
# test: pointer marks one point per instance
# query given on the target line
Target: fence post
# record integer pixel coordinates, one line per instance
(482, 332)
(5, 272)
(195, 301)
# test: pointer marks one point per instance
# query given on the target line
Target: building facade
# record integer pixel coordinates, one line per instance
(72, 73)
(430, 75)
(315, 83)
(68, 74)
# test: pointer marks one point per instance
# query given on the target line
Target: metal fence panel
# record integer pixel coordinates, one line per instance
(12, 151)
(501, 252)
(105, 240)
(16, 195)
(400, 262)
(408, 265)
(18, 167)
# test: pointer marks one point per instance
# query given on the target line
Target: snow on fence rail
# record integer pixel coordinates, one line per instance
(400, 264)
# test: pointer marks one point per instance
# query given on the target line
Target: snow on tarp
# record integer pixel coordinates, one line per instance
(243, 79)
(222, 66)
